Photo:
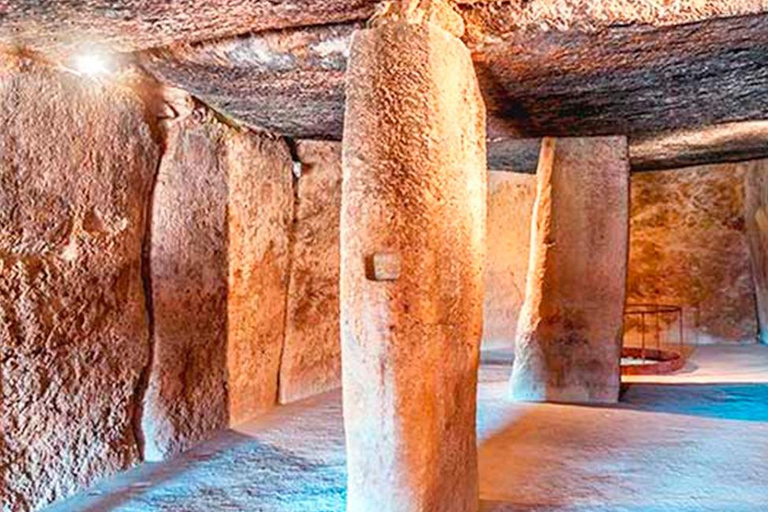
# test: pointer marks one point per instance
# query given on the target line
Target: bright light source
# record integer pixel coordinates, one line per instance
(92, 64)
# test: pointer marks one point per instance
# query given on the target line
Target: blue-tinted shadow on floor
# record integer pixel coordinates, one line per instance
(741, 402)
(232, 472)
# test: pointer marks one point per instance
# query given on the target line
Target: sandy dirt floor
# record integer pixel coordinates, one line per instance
(694, 441)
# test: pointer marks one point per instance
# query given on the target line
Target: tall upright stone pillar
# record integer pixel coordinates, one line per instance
(756, 216)
(412, 248)
(568, 345)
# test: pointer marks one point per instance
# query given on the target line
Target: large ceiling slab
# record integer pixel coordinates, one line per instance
(131, 25)
(546, 67)
(60, 26)
(627, 80)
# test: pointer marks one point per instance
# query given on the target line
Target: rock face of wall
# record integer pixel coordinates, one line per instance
(756, 217)
(259, 217)
(412, 254)
(77, 160)
(510, 206)
(221, 215)
(688, 247)
(569, 335)
(312, 355)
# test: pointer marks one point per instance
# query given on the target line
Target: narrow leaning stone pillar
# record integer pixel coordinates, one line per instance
(568, 344)
(412, 241)
(756, 216)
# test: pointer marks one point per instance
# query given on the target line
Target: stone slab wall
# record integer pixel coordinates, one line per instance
(221, 215)
(568, 343)
(259, 219)
(510, 205)
(311, 360)
(77, 161)
(688, 246)
(186, 397)
(756, 218)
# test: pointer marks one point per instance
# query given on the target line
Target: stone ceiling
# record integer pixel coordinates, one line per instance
(546, 67)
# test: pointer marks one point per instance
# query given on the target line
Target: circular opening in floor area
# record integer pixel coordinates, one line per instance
(638, 361)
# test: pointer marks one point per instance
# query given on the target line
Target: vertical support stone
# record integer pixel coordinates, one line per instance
(568, 344)
(311, 362)
(510, 207)
(756, 217)
(222, 210)
(412, 242)
(77, 160)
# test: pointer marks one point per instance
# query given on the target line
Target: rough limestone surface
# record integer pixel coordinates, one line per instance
(311, 360)
(412, 253)
(510, 207)
(259, 219)
(487, 20)
(756, 221)
(77, 159)
(569, 334)
(63, 27)
(219, 257)
(689, 247)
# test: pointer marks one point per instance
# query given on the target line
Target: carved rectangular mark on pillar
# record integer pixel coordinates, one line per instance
(382, 266)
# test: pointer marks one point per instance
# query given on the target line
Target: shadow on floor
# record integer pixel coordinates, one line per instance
(680, 447)
(742, 402)
(232, 472)
(500, 506)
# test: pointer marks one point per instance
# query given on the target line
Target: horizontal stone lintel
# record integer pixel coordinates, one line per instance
(643, 82)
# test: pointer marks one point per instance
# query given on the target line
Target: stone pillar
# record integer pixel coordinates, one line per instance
(756, 217)
(77, 161)
(569, 333)
(412, 248)
(221, 216)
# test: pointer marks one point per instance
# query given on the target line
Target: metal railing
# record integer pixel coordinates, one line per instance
(653, 321)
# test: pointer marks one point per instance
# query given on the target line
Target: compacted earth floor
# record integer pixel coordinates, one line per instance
(693, 441)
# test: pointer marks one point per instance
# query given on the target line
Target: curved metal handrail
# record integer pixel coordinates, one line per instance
(644, 310)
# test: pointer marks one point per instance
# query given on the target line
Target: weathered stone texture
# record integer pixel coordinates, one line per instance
(689, 248)
(77, 161)
(260, 214)
(129, 25)
(413, 241)
(756, 222)
(219, 259)
(311, 361)
(569, 334)
(536, 82)
(492, 19)
(289, 82)
(510, 206)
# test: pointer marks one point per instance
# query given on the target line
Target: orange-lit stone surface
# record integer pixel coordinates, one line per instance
(415, 190)
(259, 217)
(569, 333)
(311, 360)
(756, 220)
(219, 259)
(510, 205)
(76, 165)
(688, 247)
